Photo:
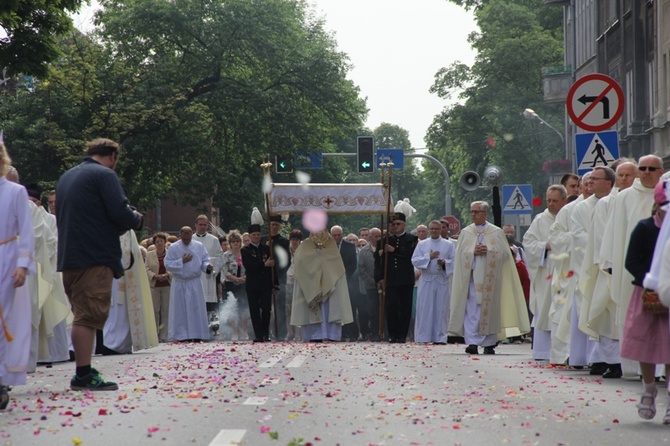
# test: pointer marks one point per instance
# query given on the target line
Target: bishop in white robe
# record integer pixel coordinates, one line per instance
(434, 257)
(321, 304)
(187, 259)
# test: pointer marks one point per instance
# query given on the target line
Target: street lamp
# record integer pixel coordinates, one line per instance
(529, 113)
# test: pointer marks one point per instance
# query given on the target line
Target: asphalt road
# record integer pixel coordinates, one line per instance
(224, 393)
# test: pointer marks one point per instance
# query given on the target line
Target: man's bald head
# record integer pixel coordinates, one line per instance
(650, 169)
(626, 173)
(186, 234)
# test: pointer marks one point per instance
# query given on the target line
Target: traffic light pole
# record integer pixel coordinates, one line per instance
(447, 189)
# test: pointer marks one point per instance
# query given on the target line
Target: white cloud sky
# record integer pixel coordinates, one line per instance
(396, 47)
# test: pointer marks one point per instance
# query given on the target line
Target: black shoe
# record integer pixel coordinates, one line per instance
(258, 340)
(455, 340)
(472, 349)
(316, 340)
(598, 368)
(266, 339)
(439, 343)
(613, 371)
(4, 397)
(109, 352)
(489, 351)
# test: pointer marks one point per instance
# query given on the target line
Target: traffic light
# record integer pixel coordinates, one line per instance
(366, 154)
(283, 164)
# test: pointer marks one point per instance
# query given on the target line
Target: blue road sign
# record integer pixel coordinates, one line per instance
(596, 150)
(396, 155)
(517, 199)
(309, 160)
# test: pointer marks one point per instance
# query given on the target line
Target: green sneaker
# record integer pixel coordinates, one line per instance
(93, 382)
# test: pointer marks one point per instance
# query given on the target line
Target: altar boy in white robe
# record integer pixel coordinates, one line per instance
(16, 260)
(208, 280)
(434, 256)
(187, 259)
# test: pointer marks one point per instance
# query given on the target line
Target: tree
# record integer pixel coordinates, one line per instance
(31, 29)
(516, 39)
(199, 93)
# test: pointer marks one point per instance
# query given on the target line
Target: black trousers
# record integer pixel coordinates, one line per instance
(398, 310)
(373, 306)
(359, 325)
(260, 308)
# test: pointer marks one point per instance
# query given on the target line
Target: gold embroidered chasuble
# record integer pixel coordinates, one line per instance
(497, 285)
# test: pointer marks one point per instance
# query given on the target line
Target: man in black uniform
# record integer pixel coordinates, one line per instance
(258, 265)
(281, 252)
(396, 253)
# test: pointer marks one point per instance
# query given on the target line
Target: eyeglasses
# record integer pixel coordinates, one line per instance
(398, 223)
(476, 212)
(648, 168)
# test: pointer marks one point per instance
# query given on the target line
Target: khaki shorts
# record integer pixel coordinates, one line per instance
(89, 291)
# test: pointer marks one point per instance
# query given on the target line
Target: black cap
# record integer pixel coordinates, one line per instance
(398, 216)
(276, 218)
(34, 191)
(254, 228)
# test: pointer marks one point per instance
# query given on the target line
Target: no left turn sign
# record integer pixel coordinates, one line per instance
(595, 102)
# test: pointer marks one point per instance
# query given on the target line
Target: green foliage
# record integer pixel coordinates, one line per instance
(32, 28)
(516, 38)
(198, 93)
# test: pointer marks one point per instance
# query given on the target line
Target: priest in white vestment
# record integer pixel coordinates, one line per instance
(213, 246)
(49, 305)
(540, 266)
(16, 261)
(563, 280)
(583, 350)
(486, 296)
(434, 257)
(595, 280)
(630, 206)
(186, 260)
(321, 304)
(55, 311)
(583, 344)
(131, 325)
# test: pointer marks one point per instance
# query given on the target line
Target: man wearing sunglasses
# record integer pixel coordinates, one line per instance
(629, 207)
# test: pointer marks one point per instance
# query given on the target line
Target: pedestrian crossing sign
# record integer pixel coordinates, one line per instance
(596, 150)
(517, 199)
